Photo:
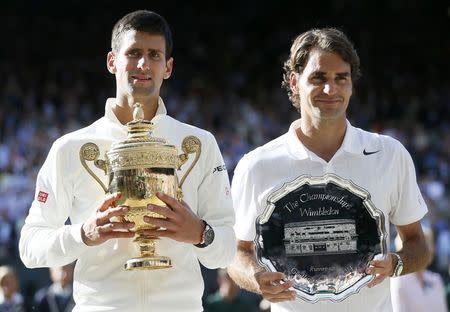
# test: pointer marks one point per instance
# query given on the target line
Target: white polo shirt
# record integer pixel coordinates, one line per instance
(376, 163)
(65, 189)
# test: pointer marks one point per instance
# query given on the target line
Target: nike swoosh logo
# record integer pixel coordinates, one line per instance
(369, 153)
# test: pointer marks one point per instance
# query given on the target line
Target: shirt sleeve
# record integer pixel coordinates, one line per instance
(245, 201)
(46, 240)
(215, 207)
(408, 204)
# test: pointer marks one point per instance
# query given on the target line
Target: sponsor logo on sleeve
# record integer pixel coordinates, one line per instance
(220, 168)
(42, 197)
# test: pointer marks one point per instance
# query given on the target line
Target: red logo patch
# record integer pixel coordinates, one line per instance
(42, 197)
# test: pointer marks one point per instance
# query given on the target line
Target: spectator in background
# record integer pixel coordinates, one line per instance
(448, 288)
(10, 298)
(419, 291)
(229, 297)
(58, 296)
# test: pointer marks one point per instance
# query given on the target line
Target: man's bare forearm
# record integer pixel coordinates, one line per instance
(242, 270)
(415, 254)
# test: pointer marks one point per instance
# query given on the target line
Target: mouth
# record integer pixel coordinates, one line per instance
(329, 101)
(141, 77)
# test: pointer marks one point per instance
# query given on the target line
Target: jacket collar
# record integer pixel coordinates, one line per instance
(109, 113)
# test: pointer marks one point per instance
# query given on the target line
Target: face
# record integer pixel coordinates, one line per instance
(8, 285)
(324, 86)
(140, 65)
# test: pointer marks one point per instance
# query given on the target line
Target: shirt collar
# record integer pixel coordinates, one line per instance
(109, 113)
(350, 144)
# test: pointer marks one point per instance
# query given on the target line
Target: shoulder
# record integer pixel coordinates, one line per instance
(179, 131)
(392, 148)
(186, 129)
(75, 138)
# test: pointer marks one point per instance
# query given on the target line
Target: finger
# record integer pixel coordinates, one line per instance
(377, 270)
(110, 201)
(106, 215)
(161, 223)
(269, 277)
(170, 201)
(275, 288)
(377, 280)
(164, 211)
(158, 233)
(288, 295)
(378, 263)
(116, 226)
(116, 234)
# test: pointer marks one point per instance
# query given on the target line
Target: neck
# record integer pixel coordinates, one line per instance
(322, 137)
(124, 106)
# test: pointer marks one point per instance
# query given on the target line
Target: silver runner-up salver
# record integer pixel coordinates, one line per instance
(321, 232)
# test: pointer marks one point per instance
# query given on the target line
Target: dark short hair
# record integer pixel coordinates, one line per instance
(145, 21)
(326, 39)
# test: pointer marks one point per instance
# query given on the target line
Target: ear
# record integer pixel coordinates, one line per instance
(111, 62)
(293, 81)
(169, 67)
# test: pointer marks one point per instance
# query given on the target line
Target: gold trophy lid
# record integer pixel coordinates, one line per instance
(139, 132)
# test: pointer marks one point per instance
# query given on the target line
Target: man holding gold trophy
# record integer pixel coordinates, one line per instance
(141, 189)
(313, 230)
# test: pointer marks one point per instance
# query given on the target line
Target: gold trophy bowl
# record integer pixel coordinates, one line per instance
(139, 167)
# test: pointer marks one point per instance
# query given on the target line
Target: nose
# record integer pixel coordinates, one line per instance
(144, 62)
(329, 88)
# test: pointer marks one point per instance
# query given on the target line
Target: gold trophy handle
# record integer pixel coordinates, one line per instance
(90, 152)
(190, 144)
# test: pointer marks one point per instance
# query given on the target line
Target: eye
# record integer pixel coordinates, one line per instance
(155, 55)
(316, 79)
(342, 79)
(133, 54)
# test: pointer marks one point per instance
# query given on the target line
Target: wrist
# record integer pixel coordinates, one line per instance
(397, 265)
(83, 235)
(207, 236)
(202, 227)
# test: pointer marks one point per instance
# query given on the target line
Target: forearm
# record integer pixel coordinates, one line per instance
(243, 270)
(415, 254)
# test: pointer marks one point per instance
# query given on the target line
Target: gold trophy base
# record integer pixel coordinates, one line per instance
(148, 259)
(148, 263)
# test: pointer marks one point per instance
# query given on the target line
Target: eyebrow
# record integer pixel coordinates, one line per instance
(321, 74)
(149, 50)
(344, 74)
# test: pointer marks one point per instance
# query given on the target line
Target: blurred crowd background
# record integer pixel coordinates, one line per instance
(227, 79)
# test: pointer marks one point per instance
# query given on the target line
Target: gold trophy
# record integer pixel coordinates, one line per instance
(139, 167)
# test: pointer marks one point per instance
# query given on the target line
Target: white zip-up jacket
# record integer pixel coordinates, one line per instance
(64, 189)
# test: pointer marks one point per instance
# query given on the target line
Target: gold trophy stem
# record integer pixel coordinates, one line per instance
(149, 259)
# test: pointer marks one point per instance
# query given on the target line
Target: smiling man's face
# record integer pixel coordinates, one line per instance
(324, 86)
(140, 65)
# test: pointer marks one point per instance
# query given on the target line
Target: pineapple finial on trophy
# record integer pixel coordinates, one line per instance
(138, 112)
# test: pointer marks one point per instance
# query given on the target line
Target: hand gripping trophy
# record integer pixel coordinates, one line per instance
(139, 167)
